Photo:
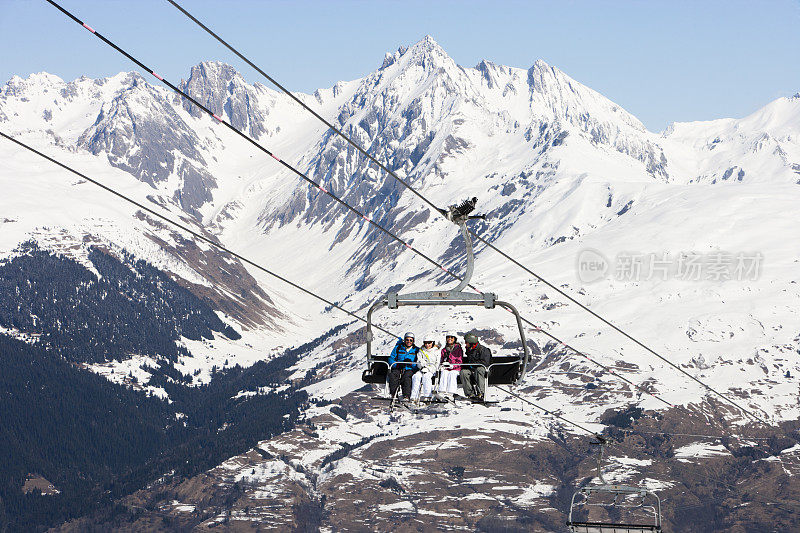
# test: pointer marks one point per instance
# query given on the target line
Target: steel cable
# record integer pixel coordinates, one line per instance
(472, 232)
(220, 247)
(385, 231)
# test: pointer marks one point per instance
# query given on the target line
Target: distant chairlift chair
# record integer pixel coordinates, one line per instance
(583, 497)
(503, 370)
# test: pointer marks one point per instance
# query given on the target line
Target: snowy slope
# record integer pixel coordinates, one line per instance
(134, 137)
(694, 231)
(556, 166)
(559, 169)
(762, 147)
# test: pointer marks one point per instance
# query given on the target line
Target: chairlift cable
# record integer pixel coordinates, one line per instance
(472, 232)
(616, 328)
(697, 435)
(372, 222)
(325, 190)
(192, 232)
(551, 413)
(220, 247)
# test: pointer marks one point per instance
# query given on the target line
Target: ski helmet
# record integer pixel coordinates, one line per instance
(471, 338)
(408, 335)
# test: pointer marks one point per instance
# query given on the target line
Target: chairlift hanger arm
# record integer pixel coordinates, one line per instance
(459, 214)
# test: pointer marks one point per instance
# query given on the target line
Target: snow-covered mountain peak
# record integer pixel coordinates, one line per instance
(538, 71)
(214, 73)
(426, 46)
(35, 86)
(573, 101)
(763, 146)
(415, 97)
(425, 54)
(220, 88)
(782, 115)
(778, 118)
(35, 79)
(543, 77)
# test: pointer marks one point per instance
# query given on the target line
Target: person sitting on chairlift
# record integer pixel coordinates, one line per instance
(402, 364)
(428, 363)
(477, 359)
(451, 360)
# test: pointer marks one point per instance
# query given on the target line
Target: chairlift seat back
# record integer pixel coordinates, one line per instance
(505, 369)
(584, 525)
(606, 527)
(377, 371)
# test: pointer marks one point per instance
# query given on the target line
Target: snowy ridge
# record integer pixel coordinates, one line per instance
(565, 176)
(557, 166)
(762, 147)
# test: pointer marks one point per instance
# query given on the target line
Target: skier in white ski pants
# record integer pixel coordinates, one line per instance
(421, 381)
(452, 355)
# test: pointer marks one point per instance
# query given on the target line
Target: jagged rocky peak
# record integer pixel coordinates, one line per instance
(425, 53)
(541, 73)
(397, 110)
(220, 88)
(424, 66)
(412, 82)
(390, 58)
(487, 70)
(426, 45)
(213, 75)
(141, 133)
(574, 102)
(18, 86)
(428, 54)
(546, 79)
(494, 74)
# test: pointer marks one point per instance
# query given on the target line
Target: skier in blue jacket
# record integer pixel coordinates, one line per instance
(402, 364)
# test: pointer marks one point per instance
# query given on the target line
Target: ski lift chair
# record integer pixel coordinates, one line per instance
(503, 370)
(583, 497)
(587, 526)
(377, 371)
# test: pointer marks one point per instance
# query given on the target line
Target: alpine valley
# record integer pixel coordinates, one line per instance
(152, 382)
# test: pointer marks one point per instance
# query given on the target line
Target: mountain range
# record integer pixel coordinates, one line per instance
(694, 230)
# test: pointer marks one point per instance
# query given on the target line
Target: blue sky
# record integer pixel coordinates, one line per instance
(662, 61)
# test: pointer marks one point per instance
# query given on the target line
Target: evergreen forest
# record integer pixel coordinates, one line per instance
(95, 440)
